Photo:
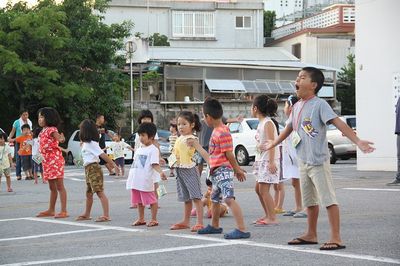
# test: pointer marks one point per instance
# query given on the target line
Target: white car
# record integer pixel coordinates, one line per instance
(244, 141)
(74, 148)
(340, 147)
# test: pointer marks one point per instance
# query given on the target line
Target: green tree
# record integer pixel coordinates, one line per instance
(347, 85)
(64, 56)
(158, 39)
(269, 22)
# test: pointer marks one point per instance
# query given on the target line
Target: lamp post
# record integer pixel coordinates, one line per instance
(131, 48)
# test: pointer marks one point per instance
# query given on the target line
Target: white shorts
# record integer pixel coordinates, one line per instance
(263, 175)
(290, 167)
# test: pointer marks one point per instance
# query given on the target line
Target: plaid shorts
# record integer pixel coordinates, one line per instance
(94, 178)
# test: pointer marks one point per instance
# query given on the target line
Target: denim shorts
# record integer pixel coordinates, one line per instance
(222, 184)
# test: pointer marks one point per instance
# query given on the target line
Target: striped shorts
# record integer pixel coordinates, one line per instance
(188, 184)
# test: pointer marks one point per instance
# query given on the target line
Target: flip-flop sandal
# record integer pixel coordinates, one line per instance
(152, 223)
(45, 214)
(237, 234)
(256, 221)
(262, 223)
(83, 218)
(179, 227)
(331, 246)
(102, 219)
(196, 227)
(300, 241)
(300, 215)
(289, 213)
(61, 215)
(138, 223)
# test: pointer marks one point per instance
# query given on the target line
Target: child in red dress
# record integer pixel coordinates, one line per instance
(53, 161)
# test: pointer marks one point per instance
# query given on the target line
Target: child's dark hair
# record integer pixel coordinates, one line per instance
(147, 128)
(3, 135)
(88, 131)
(292, 99)
(208, 182)
(23, 111)
(145, 114)
(51, 116)
(174, 126)
(192, 119)
(266, 105)
(316, 76)
(213, 108)
(36, 132)
(25, 126)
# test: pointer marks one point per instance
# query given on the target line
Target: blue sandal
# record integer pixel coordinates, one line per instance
(237, 234)
(209, 230)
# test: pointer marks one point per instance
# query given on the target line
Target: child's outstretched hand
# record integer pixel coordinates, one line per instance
(365, 146)
(163, 176)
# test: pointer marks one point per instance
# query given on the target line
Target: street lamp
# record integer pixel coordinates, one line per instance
(131, 48)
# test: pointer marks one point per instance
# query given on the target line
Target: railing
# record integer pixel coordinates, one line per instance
(334, 16)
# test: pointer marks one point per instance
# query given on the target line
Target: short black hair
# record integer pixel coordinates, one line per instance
(51, 116)
(3, 135)
(36, 132)
(147, 128)
(25, 126)
(316, 76)
(23, 111)
(98, 115)
(174, 126)
(145, 114)
(88, 131)
(213, 108)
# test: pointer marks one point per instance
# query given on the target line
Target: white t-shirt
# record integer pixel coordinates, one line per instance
(142, 175)
(117, 148)
(4, 160)
(91, 152)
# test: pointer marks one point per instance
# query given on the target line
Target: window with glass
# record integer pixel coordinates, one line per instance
(243, 22)
(193, 24)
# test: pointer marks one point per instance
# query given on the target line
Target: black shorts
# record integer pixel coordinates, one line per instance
(26, 162)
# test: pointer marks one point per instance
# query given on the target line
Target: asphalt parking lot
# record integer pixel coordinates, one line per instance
(370, 213)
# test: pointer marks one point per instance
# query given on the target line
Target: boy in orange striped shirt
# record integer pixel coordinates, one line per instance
(223, 167)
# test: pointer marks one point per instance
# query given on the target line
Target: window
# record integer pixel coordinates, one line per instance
(193, 24)
(243, 22)
(296, 50)
(234, 127)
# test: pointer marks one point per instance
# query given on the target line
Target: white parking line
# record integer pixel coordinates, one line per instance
(105, 227)
(125, 254)
(372, 189)
(292, 248)
(51, 234)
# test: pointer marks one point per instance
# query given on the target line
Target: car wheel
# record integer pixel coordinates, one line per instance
(332, 154)
(242, 156)
(70, 159)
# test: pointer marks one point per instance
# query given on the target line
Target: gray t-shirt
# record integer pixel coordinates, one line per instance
(309, 119)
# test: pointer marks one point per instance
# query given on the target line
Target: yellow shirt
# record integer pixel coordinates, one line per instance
(184, 153)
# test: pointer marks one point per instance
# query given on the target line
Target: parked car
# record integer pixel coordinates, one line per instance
(74, 148)
(340, 147)
(243, 138)
(163, 140)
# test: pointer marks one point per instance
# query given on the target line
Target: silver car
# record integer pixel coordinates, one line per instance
(340, 147)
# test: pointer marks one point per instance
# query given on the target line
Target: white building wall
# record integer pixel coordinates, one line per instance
(158, 20)
(377, 60)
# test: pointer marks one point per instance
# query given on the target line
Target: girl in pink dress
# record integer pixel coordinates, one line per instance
(53, 161)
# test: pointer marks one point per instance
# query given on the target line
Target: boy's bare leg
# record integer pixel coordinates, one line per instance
(215, 214)
(334, 222)
(8, 181)
(236, 211)
(312, 220)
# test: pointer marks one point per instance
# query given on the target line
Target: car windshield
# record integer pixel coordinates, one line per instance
(351, 121)
(253, 123)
